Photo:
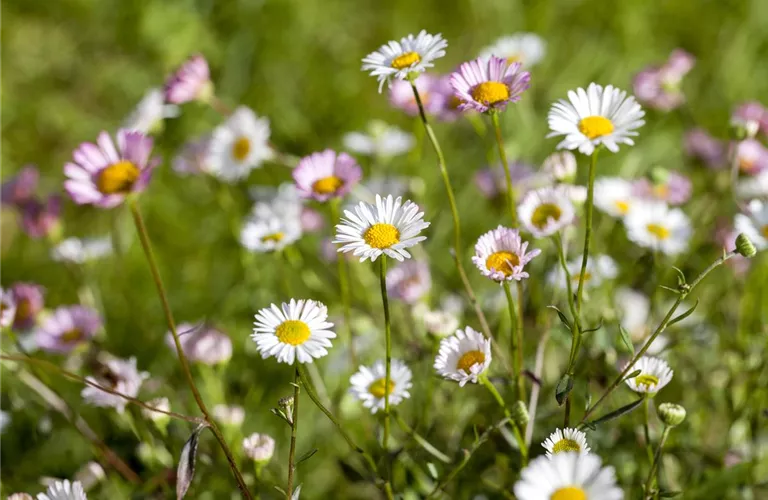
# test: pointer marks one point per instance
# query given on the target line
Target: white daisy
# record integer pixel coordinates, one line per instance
(597, 116)
(634, 311)
(63, 490)
(387, 228)
(599, 268)
(298, 330)
(545, 211)
(566, 440)
(526, 48)
(438, 322)
(656, 226)
(121, 376)
(369, 384)
(409, 55)
(654, 374)
(78, 251)
(500, 255)
(229, 415)
(754, 224)
(464, 356)
(270, 233)
(149, 114)
(614, 196)
(239, 145)
(560, 166)
(259, 447)
(752, 187)
(381, 140)
(568, 476)
(283, 201)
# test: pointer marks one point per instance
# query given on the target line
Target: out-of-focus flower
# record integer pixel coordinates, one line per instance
(21, 187)
(599, 268)
(409, 281)
(369, 384)
(202, 343)
(311, 220)
(614, 196)
(565, 441)
(41, 218)
(401, 95)
(193, 157)
(233, 416)
(593, 117)
(259, 447)
(156, 416)
(751, 157)
(568, 476)
(500, 254)
(560, 166)
(438, 322)
(656, 226)
(20, 496)
(654, 374)
(753, 223)
(489, 85)
(397, 60)
(749, 188)
(545, 211)
(63, 490)
(121, 376)
(634, 310)
(78, 251)
(66, 328)
(526, 48)
(699, 144)
(270, 233)
(753, 116)
(191, 81)
(659, 86)
(149, 114)
(381, 140)
(671, 187)
(7, 308)
(283, 202)
(90, 474)
(463, 357)
(29, 303)
(492, 181)
(326, 175)
(239, 145)
(103, 175)
(445, 98)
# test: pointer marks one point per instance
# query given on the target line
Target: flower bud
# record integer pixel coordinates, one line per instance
(259, 447)
(671, 414)
(286, 406)
(520, 413)
(744, 246)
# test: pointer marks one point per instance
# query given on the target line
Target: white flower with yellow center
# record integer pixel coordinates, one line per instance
(568, 476)
(501, 255)
(597, 116)
(270, 234)
(298, 330)
(566, 440)
(412, 54)
(388, 228)
(754, 224)
(369, 384)
(656, 226)
(239, 145)
(463, 357)
(63, 490)
(599, 268)
(614, 196)
(545, 211)
(654, 374)
(526, 48)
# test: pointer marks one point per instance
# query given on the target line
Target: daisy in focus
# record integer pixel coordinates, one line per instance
(66, 328)
(396, 60)
(754, 223)
(239, 145)
(326, 175)
(545, 211)
(63, 490)
(380, 141)
(409, 281)
(271, 233)
(191, 81)
(295, 331)
(656, 226)
(489, 85)
(388, 228)
(654, 374)
(614, 196)
(369, 384)
(599, 268)
(526, 48)
(565, 441)
(595, 117)
(500, 255)
(121, 376)
(103, 175)
(463, 357)
(568, 476)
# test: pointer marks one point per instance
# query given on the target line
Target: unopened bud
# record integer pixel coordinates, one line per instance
(286, 405)
(744, 246)
(520, 413)
(671, 414)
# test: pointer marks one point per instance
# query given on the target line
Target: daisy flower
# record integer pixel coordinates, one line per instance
(700, 145)
(20, 496)
(401, 95)
(29, 302)
(381, 140)
(489, 85)
(751, 156)
(464, 356)
(526, 48)
(753, 116)
(41, 218)
(438, 322)
(296, 331)
(560, 166)
(233, 416)
(409, 281)
(545, 211)
(659, 86)
(656, 226)
(201, 343)
(501, 255)
(121, 376)
(369, 384)
(654, 374)
(283, 202)
(7, 308)
(103, 175)
(259, 447)
(270, 233)
(565, 441)
(753, 223)
(597, 116)
(568, 476)
(66, 328)
(63, 490)
(239, 145)
(671, 187)
(492, 181)
(192, 81)
(614, 196)
(599, 268)
(396, 60)
(446, 104)
(388, 228)
(78, 251)
(149, 114)
(749, 188)
(326, 175)
(21, 187)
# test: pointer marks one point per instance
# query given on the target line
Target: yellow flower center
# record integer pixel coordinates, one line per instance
(764, 230)
(470, 359)
(240, 148)
(595, 126)
(118, 177)
(648, 381)
(274, 237)
(658, 231)
(565, 445)
(661, 191)
(623, 206)
(454, 102)
(490, 92)
(503, 262)
(543, 213)
(405, 60)
(381, 235)
(293, 332)
(569, 493)
(327, 185)
(746, 165)
(72, 335)
(23, 310)
(587, 276)
(514, 58)
(378, 388)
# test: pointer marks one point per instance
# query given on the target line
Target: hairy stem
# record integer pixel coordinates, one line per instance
(294, 430)
(505, 164)
(588, 233)
(514, 347)
(655, 464)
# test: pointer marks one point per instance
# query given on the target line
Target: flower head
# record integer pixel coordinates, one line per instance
(526, 48)
(593, 117)
(409, 281)
(401, 95)
(239, 145)
(671, 187)
(751, 156)
(565, 441)
(67, 327)
(7, 307)
(29, 302)
(615, 196)
(656, 226)
(754, 223)
(489, 85)
(560, 166)
(259, 447)
(121, 376)
(491, 181)
(191, 81)
(381, 140)
(545, 211)
(326, 175)
(699, 144)
(659, 86)
(654, 374)
(753, 187)
(463, 357)
(270, 233)
(500, 254)
(78, 251)
(568, 476)
(369, 384)
(103, 175)
(149, 114)
(232, 416)
(599, 268)
(202, 343)
(396, 60)
(298, 330)
(671, 414)
(193, 157)
(388, 228)
(63, 490)
(41, 218)
(20, 188)
(753, 116)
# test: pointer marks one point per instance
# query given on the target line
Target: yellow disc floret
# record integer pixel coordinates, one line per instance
(378, 388)
(569, 493)
(240, 148)
(406, 60)
(649, 381)
(470, 359)
(503, 262)
(565, 445)
(382, 235)
(327, 185)
(293, 332)
(490, 93)
(658, 231)
(595, 126)
(543, 213)
(118, 178)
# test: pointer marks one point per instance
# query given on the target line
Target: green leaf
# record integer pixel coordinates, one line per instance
(626, 340)
(670, 494)
(617, 413)
(563, 318)
(306, 456)
(633, 374)
(684, 315)
(590, 330)
(432, 470)
(564, 386)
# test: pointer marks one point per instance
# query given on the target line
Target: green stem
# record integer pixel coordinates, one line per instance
(428, 447)
(576, 327)
(147, 247)
(344, 286)
(655, 464)
(515, 427)
(646, 429)
(294, 429)
(588, 233)
(388, 348)
(505, 164)
(520, 327)
(514, 347)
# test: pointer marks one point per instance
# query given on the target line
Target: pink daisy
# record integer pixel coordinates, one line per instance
(659, 86)
(66, 328)
(489, 85)
(674, 188)
(326, 174)
(401, 95)
(190, 82)
(21, 187)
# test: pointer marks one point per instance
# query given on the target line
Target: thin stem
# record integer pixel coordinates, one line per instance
(588, 233)
(344, 286)
(515, 427)
(516, 370)
(147, 246)
(646, 428)
(388, 348)
(536, 389)
(567, 416)
(294, 429)
(520, 349)
(655, 464)
(505, 164)
(428, 447)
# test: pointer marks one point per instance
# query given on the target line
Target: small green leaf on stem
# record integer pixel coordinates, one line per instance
(618, 413)
(564, 386)
(563, 318)
(633, 374)
(669, 494)
(306, 456)
(627, 341)
(684, 315)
